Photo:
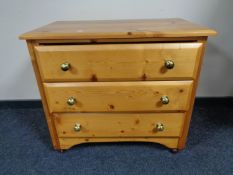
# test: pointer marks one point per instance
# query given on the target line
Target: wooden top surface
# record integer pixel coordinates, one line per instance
(144, 28)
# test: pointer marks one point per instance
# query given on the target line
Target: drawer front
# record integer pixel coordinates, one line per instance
(118, 62)
(118, 96)
(119, 125)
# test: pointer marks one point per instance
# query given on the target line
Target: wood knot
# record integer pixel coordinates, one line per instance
(156, 92)
(111, 106)
(94, 78)
(137, 121)
(144, 77)
(129, 33)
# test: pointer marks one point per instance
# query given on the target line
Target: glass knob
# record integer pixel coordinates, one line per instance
(164, 100)
(159, 127)
(71, 101)
(65, 66)
(169, 64)
(77, 127)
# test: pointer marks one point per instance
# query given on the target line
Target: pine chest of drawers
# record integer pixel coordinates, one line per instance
(125, 80)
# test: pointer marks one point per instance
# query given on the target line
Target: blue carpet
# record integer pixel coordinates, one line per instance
(25, 147)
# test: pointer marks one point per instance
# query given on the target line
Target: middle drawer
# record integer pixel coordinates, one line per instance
(118, 96)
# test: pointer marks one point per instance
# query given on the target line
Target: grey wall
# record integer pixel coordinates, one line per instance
(17, 80)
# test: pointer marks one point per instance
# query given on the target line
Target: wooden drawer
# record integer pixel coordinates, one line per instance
(118, 62)
(118, 96)
(119, 125)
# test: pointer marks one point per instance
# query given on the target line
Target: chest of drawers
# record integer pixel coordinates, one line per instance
(125, 80)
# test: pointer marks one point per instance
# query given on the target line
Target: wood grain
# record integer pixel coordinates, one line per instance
(183, 139)
(120, 40)
(119, 125)
(50, 121)
(66, 143)
(122, 62)
(117, 77)
(143, 28)
(118, 96)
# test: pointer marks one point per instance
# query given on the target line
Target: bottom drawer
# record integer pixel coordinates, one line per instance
(119, 125)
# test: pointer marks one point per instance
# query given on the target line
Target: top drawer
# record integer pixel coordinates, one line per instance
(104, 62)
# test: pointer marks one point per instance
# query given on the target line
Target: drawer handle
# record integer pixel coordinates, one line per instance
(159, 127)
(77, 127)
(65, 66)
(71, 101)
(164, 100)
(169, 64)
